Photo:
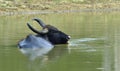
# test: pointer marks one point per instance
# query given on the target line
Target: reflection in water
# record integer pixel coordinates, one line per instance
(117, 47)
(33, 53)
(40, 57)
(36, 53)
(108, 58)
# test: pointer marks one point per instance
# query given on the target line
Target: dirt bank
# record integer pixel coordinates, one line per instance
(11, 6)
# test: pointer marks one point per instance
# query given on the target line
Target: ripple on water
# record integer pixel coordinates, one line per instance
(75, 42)
(80, 44)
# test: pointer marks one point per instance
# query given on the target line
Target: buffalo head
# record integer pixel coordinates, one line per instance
(49, 35)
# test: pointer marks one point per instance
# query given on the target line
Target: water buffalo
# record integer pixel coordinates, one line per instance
(47, 37)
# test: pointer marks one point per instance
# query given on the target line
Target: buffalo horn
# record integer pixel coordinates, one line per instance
(40, 22)
(44, 31)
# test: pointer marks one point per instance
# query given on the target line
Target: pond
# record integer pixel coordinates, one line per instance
(93, 46)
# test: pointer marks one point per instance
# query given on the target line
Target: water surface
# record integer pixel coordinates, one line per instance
(91, 47)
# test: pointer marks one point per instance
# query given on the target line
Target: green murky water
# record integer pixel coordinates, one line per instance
(92, 47)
